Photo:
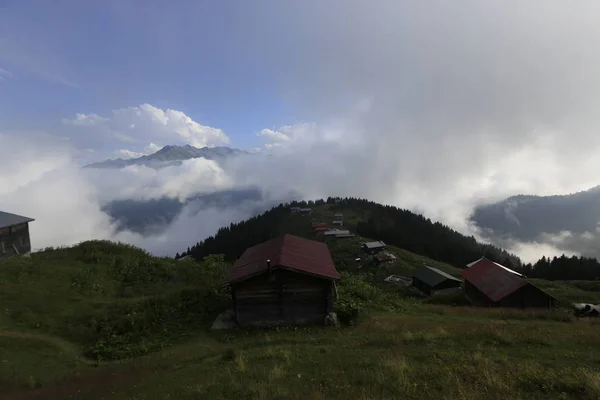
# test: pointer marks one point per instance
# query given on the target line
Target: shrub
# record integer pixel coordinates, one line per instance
(355, 295)
(348, 310)
(129, 329)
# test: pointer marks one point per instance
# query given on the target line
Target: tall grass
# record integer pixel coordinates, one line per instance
(114, 299)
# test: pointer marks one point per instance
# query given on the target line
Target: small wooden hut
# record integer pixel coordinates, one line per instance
(286, 280)
(14, 234)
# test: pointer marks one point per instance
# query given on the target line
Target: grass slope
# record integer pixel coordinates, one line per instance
(103, 320)
(432, 355)
(61, 309)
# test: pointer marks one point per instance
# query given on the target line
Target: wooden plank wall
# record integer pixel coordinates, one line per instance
(14, 240)
(282, 297)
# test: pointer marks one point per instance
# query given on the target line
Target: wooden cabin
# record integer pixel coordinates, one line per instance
(14, 234)
(492, 284)
(384, 258)
(286, 280)
(431, 280)
(373, 247)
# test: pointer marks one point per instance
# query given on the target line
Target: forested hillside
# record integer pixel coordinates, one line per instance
(571, 218)
(526, 217)
(563, 268)
(395, 226)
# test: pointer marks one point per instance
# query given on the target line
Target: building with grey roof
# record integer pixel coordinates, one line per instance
(337, 232)
(373, 247)
(14, 234)
(429, 280)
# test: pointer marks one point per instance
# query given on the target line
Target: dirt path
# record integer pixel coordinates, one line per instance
(101, 382)
(63, 345)
(85, 384)
(88, 385)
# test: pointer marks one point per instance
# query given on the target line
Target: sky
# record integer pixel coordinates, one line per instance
(430, 106)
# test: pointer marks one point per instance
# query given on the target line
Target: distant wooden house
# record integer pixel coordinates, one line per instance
(295, 209)
(400, 280)
(373, 247)
(286, 280)
(384, 258)
(338, 216)
(337, 222)
(14, 234)
(337, 232)
(492, 284)
(305, 211)
(430, 280)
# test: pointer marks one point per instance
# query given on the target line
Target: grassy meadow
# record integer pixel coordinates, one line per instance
(442, 353)
(108, 321)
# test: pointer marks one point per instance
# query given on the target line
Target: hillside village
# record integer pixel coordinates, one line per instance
(289, 279)
(307, 307)
(482, 282)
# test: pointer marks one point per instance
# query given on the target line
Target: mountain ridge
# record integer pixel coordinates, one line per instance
(170, 155)
(545, 219)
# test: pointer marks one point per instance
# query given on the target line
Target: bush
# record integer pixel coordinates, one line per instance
(355, 295)
(130, 329)
(348, 310)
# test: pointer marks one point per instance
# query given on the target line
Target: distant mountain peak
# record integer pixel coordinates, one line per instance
(171, 155)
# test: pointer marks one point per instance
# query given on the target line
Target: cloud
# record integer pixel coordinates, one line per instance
(272, 135)
(141, 127)
(530, 252)
(5, 74)
(451, 106)
(138, 182)
(85, 120)
(125, 154)
(192, 225)
(38, 179)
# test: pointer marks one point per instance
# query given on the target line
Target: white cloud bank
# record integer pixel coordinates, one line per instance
(40, 179)
(145, 128)
(314, 160)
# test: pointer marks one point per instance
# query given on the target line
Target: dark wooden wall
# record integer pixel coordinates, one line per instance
(447, 284)
(422, 286)
(282, 297)
(14, 240)
(476, 295)
(428, 290)
(528, 296)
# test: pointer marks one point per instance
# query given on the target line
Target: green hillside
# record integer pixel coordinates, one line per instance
(395, 226)
(106, 320)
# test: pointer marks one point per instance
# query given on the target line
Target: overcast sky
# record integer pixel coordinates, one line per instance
(434, 106)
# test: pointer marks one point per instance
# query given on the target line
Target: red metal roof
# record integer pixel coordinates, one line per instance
(320, 228)
(289, 252)
(494, 280)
